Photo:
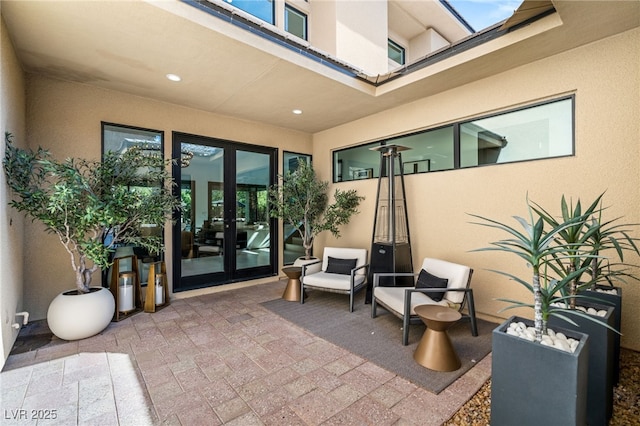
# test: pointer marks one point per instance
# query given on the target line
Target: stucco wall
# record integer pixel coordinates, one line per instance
(12, 119)
(65, 118)
(605, 78)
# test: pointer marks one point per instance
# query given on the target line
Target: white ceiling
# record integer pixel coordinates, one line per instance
(129, 46)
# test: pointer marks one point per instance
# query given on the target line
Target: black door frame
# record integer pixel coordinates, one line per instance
(231, 274)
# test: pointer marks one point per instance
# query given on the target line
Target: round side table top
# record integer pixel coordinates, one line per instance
(292, 271)
(437, 313)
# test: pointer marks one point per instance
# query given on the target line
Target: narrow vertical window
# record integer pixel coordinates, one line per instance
(396, 52)
(295, 22)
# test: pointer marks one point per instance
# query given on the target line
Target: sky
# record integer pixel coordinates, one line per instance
(481, 14)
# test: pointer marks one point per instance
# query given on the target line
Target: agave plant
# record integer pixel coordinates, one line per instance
(302, 202)
(537, 246)
(90, 205)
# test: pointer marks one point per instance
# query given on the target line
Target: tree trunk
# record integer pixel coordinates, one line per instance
(83, 279)
(537, 307)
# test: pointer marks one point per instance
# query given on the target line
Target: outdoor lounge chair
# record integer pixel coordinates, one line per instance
(401, 301)
(342, 270)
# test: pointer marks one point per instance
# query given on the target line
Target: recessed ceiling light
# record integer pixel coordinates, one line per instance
(174, 77)
(297, 111)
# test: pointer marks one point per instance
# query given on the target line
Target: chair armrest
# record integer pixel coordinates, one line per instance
(353, 271)
(438, 290)
(306, 265)
(377, 275)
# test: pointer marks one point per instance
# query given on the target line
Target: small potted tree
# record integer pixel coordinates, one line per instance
(92, 207)
(301, 200)
(599, 237)
(553, 367)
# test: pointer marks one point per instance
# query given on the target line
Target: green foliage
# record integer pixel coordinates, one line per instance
(591, 237)
(92, 206)
(538, 247)
(302, 201)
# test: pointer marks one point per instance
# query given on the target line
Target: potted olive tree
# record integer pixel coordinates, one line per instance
(92, 207)
(301, 201)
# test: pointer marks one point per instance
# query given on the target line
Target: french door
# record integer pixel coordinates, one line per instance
(224, 233)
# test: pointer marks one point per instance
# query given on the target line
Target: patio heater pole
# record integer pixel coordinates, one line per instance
(390, 246)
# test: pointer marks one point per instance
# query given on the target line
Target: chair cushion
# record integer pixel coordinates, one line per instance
(458, 276)
(340, 266)
(346, 253)
(393, 298)
(427, 280)
(332, 281)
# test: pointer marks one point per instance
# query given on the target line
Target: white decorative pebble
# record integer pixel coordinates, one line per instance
(557, 340)
(562, 344)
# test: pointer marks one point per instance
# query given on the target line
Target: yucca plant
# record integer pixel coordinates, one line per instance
(90, 205)
(576, 239)
(616, 237)
(538, 248)
(301, 200)
(594, 236)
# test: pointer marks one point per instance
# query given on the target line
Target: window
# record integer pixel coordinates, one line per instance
(262, 9)
(117, 138)
(295, 22)
(540, 131)
(543, 130)
(395, 52)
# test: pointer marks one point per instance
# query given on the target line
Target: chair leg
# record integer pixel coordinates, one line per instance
(406, 317)
(301, 292)
(405, 330)
(351, 301)
(374, 307)
(472, 313)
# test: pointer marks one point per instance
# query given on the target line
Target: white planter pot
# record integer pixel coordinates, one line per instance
(73, 316)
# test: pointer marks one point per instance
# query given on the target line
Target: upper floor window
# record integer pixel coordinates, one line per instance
(395, 52)
(263, 9)
(543, 130)
(295, 22)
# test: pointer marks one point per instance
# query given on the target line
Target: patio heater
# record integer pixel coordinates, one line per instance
(390, 246)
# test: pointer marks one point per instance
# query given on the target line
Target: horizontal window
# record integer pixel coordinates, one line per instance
(543, 131)
(537, 131)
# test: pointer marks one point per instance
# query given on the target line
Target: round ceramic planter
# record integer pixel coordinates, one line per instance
(73, 316)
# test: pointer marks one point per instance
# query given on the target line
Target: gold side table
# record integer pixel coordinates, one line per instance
(292, 291)
(435, 350)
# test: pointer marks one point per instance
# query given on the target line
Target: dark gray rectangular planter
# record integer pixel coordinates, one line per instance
(533, 384)
(616, 301)
(600, 377)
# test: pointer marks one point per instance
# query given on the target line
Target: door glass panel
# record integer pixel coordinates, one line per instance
(253, 242)
(202, 229)
(293, 247)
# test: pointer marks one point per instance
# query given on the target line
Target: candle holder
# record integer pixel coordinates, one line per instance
(157, 295)
(125, 287)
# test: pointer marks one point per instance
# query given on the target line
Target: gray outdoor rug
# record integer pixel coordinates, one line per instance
(379, 339)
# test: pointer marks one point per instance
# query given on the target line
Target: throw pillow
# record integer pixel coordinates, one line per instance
(427, 280)
(340, 266)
